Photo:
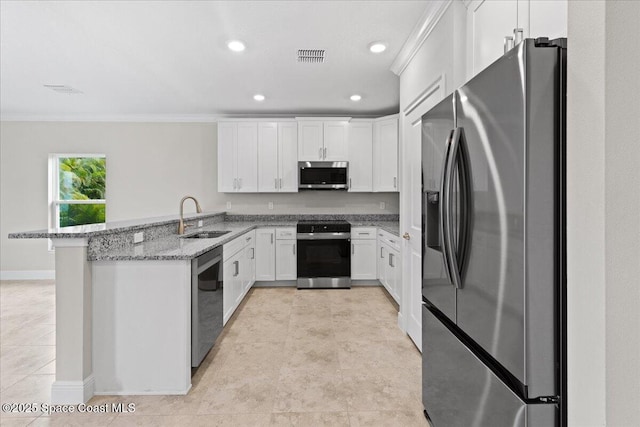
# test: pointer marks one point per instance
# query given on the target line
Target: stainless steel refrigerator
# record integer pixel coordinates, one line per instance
(493, 279)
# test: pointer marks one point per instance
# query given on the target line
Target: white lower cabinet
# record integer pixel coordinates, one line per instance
(388, 260)
(266, 254)
(238, 272)
(363, 253)
(286, 257)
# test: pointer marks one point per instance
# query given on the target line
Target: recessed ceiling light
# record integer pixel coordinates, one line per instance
(377, 47)
(258, 97)
(356, 98)
(236, 45)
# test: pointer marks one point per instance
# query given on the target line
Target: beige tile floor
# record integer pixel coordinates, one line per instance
(286, 358)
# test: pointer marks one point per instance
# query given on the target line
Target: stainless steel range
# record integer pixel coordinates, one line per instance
(324, 255)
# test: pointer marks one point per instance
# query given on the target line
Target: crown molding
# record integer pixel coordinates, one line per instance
(420, 33)
(138, 118)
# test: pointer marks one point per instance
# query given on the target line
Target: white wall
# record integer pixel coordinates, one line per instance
(622, 214)
(150, 166)
(603, 210)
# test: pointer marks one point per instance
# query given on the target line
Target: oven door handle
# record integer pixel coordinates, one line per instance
(323, 236)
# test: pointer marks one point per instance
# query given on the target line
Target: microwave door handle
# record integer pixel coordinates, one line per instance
(320, 154)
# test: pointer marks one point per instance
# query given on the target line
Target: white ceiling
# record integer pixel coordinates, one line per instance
(169, 58)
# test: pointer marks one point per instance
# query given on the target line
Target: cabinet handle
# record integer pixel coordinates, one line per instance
(325, 152)
(508, 44)
(352, 249)
(391, 260)
(320, 155)
(294, 248)
(235, 183)
(272, 238)
(239, 183)
(395, 182)
(349, 183)
(275, 183)
(518, 35)
(381, 254)
(237, 266)
(248, 239)
(280, 186)
(253, 253)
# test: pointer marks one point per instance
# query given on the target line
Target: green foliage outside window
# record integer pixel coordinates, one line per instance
(82, 178)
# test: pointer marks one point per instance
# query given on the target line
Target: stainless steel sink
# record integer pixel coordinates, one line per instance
(207, 235)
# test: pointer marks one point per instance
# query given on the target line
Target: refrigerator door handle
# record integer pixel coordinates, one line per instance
(457, 252)
(444, 209)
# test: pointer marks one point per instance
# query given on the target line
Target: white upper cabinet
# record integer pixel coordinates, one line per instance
(360, 156)
(320, 140)
(267, 157)
(247, 157)
(238, 157)
(385, 155)
(310, 141)
(547, 18)
(490, 21)
(277, 157)
(227, 157)
(335, 141)
(288, 157)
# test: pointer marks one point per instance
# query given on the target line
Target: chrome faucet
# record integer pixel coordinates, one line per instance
(181, 225)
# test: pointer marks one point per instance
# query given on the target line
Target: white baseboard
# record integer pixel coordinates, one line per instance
(143, 392)
(73, 392)
(371, 282)
(27, 274)
(275, 284)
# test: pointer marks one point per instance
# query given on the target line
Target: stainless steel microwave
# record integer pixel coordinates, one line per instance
(323, 175)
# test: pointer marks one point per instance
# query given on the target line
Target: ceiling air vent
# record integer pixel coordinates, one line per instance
(63, 89)
(311, 56)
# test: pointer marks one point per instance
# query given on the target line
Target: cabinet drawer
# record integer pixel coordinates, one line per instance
(390, 239)
(363, 233)
(286, 233)
(231, 248)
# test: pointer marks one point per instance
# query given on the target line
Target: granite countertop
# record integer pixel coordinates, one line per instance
(112, 227)
(176, 247)
(106, 240)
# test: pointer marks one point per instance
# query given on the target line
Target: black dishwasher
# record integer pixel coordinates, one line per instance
(206, 303)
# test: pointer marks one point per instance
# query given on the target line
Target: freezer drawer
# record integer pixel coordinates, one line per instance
(458, 390)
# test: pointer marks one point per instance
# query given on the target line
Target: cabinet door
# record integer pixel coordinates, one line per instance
(227, 155)
(360, 156)
(488, 23)
(230, 274)
(545, 18)
(288, 157)
(335, 141)
(381, 257)
(363, 259)
(385, 172)
(393, 274)
(286, 267)
(265, 254)
(247, 164)
(267, 157)
(310, 136)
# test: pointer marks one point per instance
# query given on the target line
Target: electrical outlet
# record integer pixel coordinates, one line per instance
(228, 205)
(271, 205)
(383, 205)
(200, 223)
(138, 237)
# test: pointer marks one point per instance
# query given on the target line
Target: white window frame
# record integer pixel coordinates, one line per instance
(54, 190)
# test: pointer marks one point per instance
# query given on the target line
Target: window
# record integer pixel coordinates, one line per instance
(76, 189)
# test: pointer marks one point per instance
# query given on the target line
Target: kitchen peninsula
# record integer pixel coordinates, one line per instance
(123, 309)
